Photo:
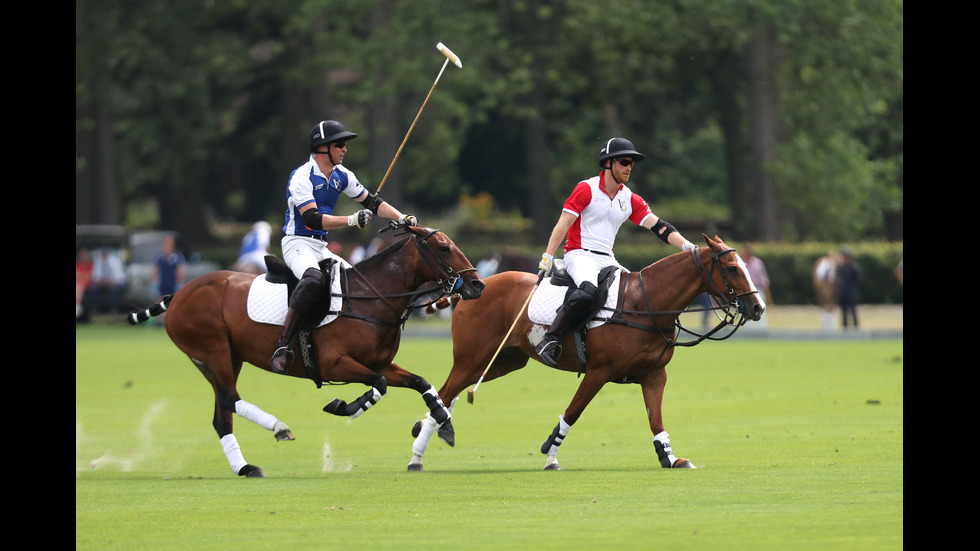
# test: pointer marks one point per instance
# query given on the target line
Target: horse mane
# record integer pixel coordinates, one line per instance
(383, 254)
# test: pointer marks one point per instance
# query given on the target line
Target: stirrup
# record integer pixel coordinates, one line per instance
(549, 359)
(282, 351)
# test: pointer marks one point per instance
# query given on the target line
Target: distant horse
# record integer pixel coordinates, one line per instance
(209, 320)
(825, 287)
(633, 341)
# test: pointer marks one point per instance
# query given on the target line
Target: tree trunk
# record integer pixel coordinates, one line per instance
(763, 106)
(725, 80)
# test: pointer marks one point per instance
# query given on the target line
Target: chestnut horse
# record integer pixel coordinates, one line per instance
(208, 320)
(633, 345)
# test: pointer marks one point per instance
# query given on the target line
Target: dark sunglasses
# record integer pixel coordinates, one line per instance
(340, 145)
(625, 162)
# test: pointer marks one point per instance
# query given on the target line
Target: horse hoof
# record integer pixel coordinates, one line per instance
(285, 435)
(552, 467)
(416, 429)
(683, 464)
(251, 471)
(447, 433)
(415, 467)
(336, 407)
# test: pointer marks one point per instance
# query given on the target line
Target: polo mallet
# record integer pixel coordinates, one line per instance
(450, 56)
(472, 391)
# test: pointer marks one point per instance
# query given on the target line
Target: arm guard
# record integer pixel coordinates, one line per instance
(663, 230)
(372, 203)
(313, 219)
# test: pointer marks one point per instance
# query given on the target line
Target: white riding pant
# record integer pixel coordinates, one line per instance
(302, 253)
(584, 266)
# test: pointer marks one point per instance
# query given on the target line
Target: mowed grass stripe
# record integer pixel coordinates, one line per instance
(799, 446)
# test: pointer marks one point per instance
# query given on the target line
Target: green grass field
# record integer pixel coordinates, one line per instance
(799, 446)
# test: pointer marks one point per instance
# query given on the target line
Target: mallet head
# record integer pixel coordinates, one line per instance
(449, 53)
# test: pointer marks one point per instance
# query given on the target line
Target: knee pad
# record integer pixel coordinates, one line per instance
(308, 288)
(584, 298)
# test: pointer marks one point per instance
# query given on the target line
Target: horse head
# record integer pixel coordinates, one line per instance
(731, 283)
(446, 263)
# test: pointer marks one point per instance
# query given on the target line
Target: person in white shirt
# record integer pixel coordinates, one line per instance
(589, 221)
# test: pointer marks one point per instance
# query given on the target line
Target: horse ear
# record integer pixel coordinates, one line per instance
(706, 238)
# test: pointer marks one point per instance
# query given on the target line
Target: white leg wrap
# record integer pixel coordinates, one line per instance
(664, 439)
(421, 443)
(233, 452)
(255, 415)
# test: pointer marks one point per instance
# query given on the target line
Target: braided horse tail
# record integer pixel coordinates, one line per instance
(140, 316)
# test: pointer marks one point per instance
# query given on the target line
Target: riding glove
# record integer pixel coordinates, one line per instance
(546, 264)
(359, 219)
(409, 220)
(687, 246)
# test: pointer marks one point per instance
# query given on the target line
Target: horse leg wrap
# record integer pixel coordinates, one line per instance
(256, 415)
(550, 446)
(233, 452)
(354, 410)
(421, 443)
(364, 403)
(661, 443)
(438, 410)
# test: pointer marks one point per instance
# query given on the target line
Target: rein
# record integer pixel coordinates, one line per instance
(730, 319)
(429, 260)
(734, 320)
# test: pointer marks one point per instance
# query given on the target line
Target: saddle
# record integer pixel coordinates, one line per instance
(560, 278)
(280, 274)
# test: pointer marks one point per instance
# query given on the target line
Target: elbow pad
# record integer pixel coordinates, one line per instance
(372, 203)
(663, 230)
(313, 219)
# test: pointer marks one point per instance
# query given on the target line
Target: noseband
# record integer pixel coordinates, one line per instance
(452, 276)
(728, 301)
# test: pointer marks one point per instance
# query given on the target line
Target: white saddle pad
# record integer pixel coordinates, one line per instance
(267, 302)
(549, 298)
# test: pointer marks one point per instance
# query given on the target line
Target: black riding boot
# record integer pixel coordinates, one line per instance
(304, 298)
(550, 346)
(575, 312)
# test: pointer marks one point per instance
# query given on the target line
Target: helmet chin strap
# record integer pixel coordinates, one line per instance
(613, 173)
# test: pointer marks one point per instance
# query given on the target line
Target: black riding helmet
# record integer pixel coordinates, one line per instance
(618, 147)
(328, 132)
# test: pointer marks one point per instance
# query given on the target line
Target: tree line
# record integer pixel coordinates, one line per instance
(785, 114)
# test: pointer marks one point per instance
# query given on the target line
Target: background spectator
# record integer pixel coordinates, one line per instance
(759, 275)
(255, 246)
(169, 264)
(108, 282)
(83, 280)
(848, 276)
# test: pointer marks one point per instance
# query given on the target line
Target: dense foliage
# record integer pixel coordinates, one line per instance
(786, 115)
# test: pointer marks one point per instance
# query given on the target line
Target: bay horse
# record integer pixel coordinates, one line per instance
(208, 319)
(634, 344)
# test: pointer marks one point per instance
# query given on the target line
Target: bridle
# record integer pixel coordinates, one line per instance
(453, 278)
(728, 300)
(447, 278)
(729, 303)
